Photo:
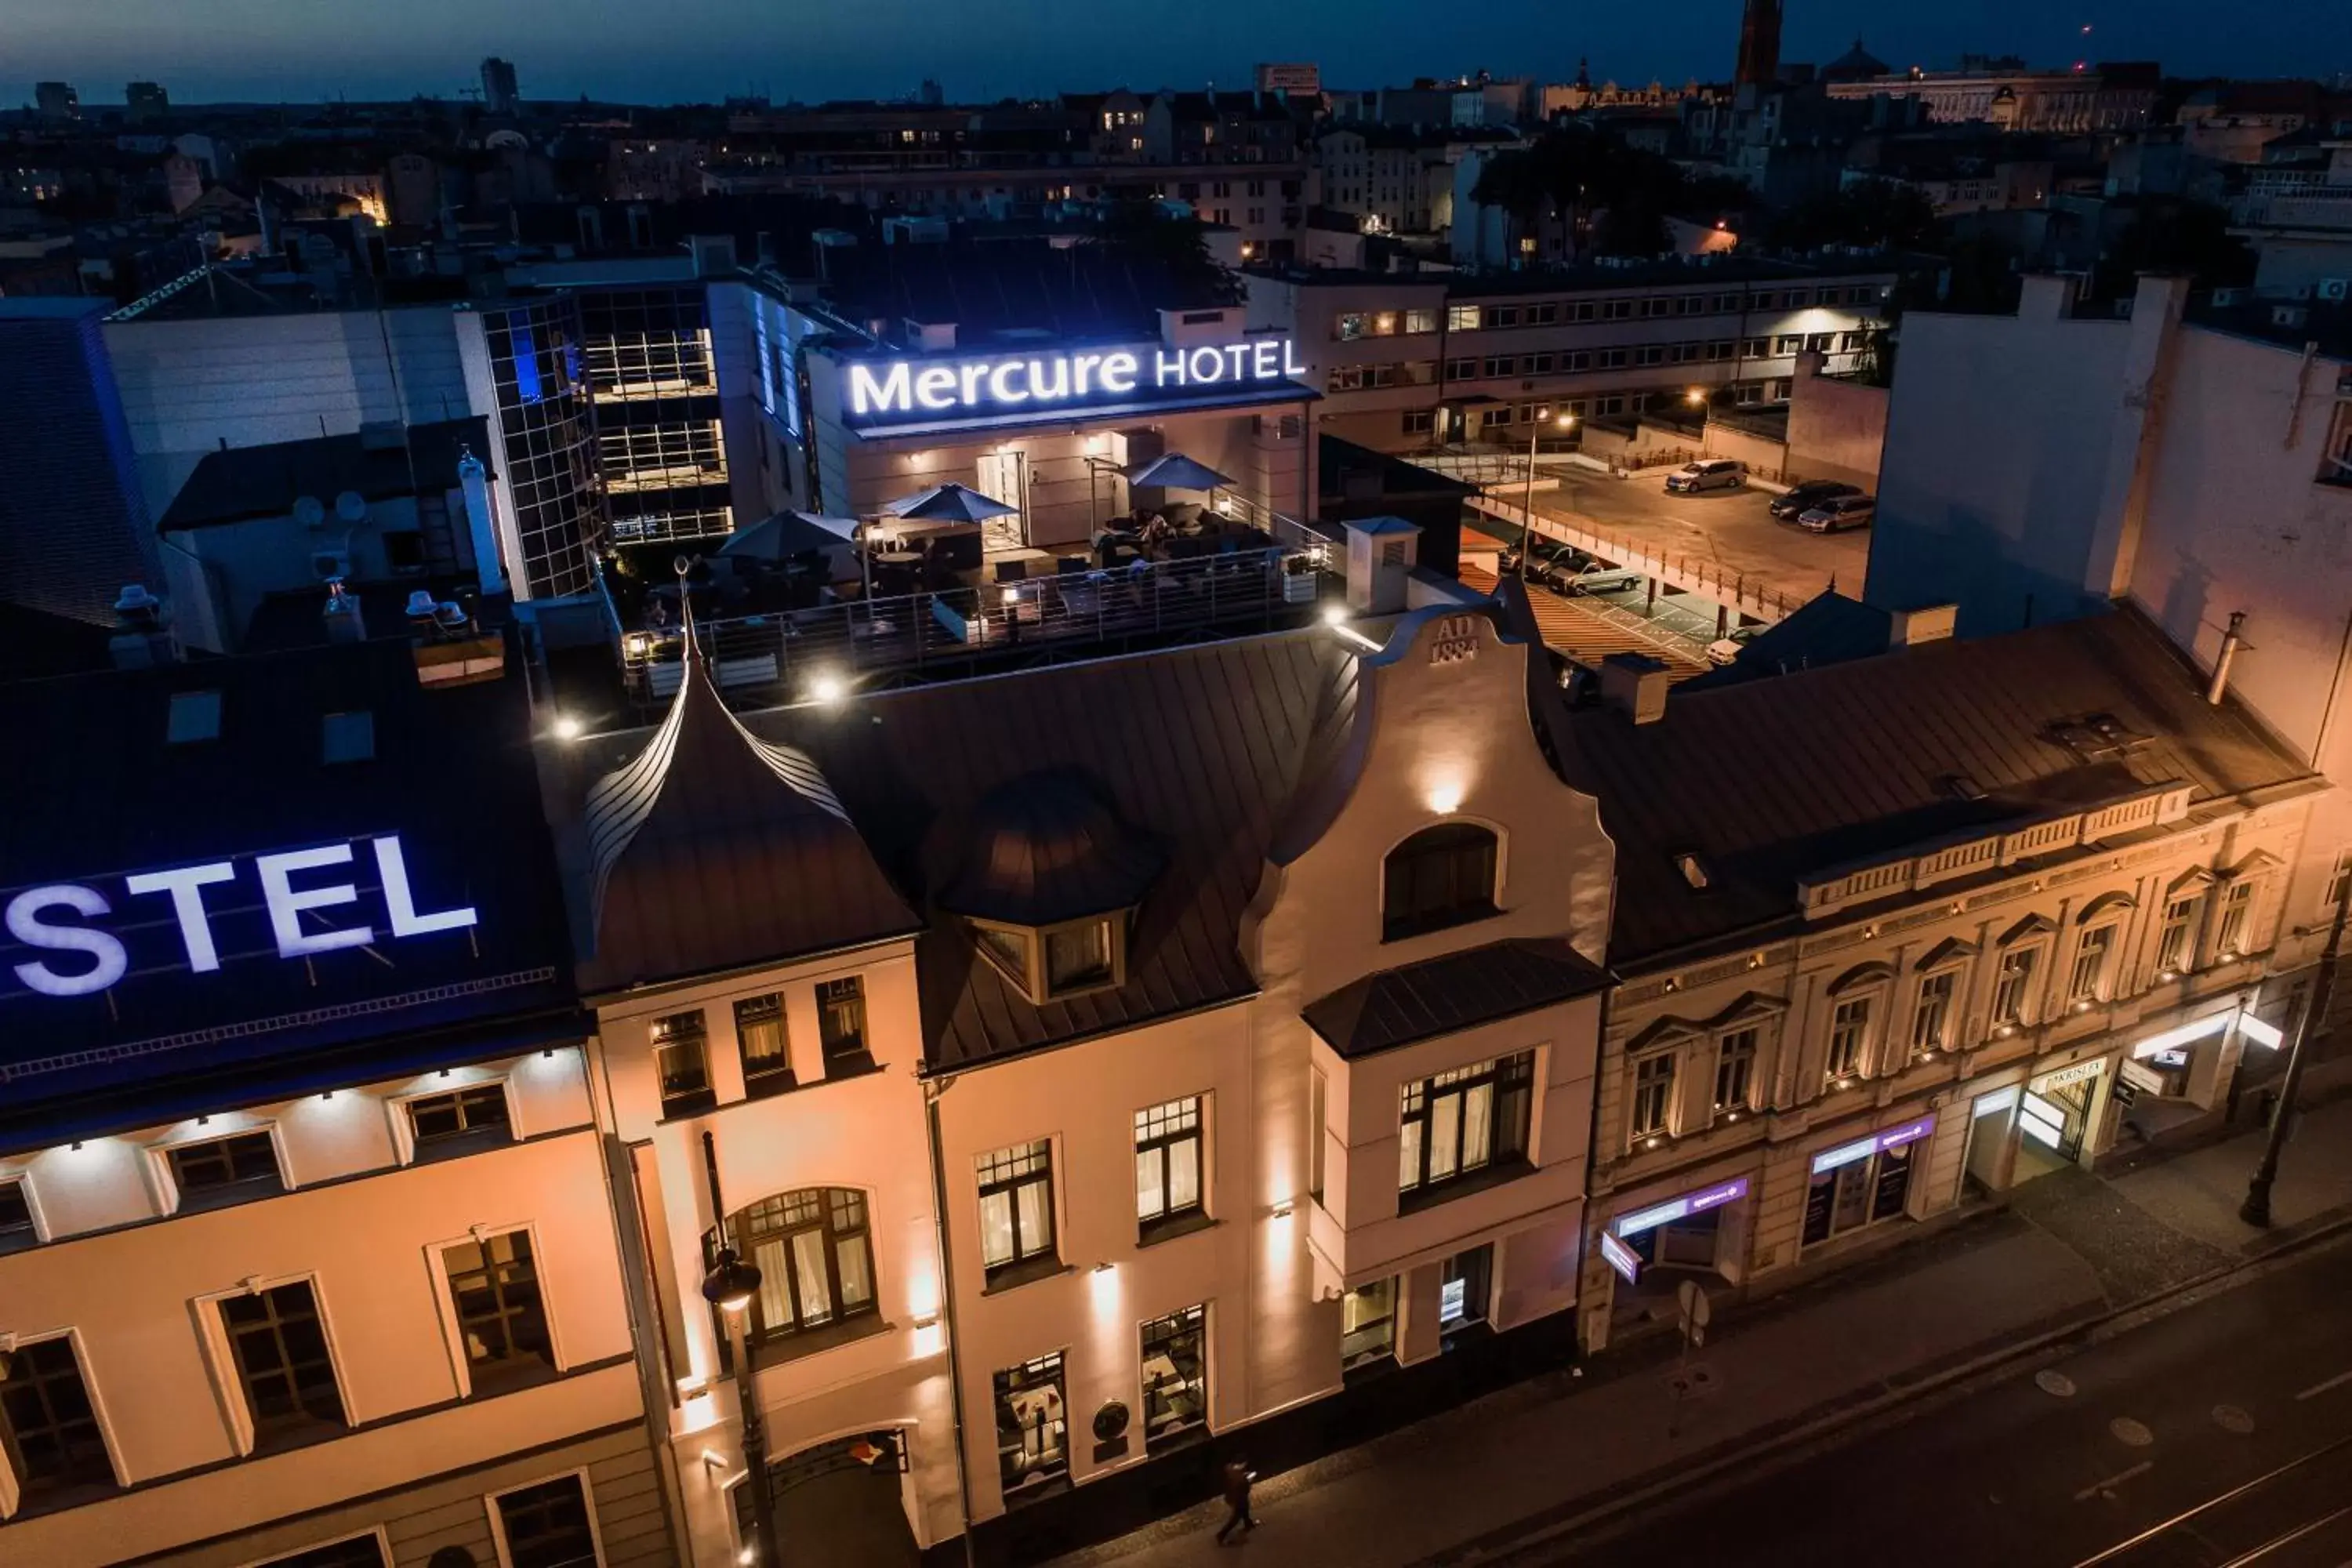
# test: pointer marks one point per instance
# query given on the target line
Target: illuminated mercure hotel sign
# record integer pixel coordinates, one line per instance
(66, 939)
(878, 393)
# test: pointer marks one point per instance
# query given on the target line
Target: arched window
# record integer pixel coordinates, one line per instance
(815, 1256)
(1442, 875)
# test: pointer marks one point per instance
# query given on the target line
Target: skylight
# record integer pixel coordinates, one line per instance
(348, 737)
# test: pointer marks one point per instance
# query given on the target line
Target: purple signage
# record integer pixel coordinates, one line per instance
(1683, 1207)
(1864, 1148)
(1622, 1258)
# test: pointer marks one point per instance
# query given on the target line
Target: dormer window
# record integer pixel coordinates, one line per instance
(1050, 962)
(1441, 876)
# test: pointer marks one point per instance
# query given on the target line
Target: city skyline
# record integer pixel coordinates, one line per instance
(266, 52)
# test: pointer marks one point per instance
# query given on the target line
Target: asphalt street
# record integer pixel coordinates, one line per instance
(2220, 1433)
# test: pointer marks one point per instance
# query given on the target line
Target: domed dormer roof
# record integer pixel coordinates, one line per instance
(712, 849)
(1048, 848)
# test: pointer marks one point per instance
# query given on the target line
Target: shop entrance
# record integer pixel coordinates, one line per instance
(2054, 1116)
(1992, 1122)
(1005, 477)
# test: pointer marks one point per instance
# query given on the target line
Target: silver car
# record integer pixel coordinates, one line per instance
(1842, 511)
(1707, 474)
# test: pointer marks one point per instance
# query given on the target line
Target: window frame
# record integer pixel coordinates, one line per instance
(1657, 1093)
(1030, 1375)
(2100, 988)
(1858, 1065)
(1929, 1036)
(1447, 840)
(1197, 1327)
(453, 1324)
(1386, 1350)
(2240, 898)
(845, 1049)
(1745, 1100)
(411, 1150)
(691, 1102)
(1021, 1266)
(12, 1479)
(36, 1231)
(227, 1195)
(2025, 1013)
(758, 1084)
(843, 1320)
(246, 1431)
(1507, 1149)
(2176, 931)
(504, 1547)
(378, 1533)
(1173, 1219)
(1034, 976)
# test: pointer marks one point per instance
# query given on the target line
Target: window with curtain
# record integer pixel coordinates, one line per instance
(1167, 1165)
(1442, 876)
(815, 1252)
(1016, 1209)
(1463, 1123)
(759, 1035)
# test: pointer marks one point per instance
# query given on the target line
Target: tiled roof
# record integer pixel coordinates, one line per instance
(1766, 780)
(1457, 991)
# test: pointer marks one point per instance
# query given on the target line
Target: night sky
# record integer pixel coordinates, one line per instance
(673, 50)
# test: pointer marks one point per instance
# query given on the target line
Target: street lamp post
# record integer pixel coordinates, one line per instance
(1696, 398)
(2256, 1210)
(1527, 503)
(729, 1286)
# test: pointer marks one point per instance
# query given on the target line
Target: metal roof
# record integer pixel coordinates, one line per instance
(1454, 992)
(244, 483)
(1768, 779)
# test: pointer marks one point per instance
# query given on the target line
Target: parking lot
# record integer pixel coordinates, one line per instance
(1730, 529)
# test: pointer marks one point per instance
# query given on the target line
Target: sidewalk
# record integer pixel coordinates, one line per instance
(2070, 1247)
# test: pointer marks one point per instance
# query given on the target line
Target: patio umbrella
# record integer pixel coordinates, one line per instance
(788, 533)
(948, 503)
(1175, 471)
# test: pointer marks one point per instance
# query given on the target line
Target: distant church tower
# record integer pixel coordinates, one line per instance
(1759, 44)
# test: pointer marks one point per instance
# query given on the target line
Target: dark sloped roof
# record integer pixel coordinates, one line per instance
(247, 482)
(1829, 766)
(1046, 847)
(1455, 992)
(709, 849)
(1195, 748)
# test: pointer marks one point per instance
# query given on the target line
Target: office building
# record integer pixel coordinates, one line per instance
(55, 102)
(145, 102)
(499, 95)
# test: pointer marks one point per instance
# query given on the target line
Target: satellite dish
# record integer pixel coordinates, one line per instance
(308, 511)
(351, 507)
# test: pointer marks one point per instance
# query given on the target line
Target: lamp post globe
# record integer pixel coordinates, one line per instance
(731, 1282)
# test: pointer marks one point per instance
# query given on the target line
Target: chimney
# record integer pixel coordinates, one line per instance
(1636, 685)
(143, 639)
(344, 624)
(1382, 554)
(1929, 623)
(2226, 657)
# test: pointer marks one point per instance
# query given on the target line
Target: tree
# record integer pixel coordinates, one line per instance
(1616, 198)
(1874, 214)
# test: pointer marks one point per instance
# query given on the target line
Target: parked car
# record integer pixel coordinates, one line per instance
(1843, 511)
(1707, 474)
(1545, 551)
(1596, 578)
(1803, 498)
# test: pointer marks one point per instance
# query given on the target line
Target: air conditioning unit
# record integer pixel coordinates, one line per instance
(2336, 289)
(331, 566)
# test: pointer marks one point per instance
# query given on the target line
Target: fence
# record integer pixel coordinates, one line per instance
(1687, 573)
(780, 654)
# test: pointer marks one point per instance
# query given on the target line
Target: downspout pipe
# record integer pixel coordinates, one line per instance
(933, 1089)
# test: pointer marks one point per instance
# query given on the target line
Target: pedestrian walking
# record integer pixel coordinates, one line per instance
(1238, 1477)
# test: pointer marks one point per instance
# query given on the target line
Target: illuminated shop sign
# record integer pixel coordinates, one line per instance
(1683, 1207)
(1862, 1149)
(878, 393)
(1622, 1258)
(310, 908)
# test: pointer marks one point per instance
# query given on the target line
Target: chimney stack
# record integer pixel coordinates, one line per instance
(1382, 554)
(1636, 685)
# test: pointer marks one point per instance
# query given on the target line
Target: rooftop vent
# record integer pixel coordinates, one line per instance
(1693, 870)
(1960, 787)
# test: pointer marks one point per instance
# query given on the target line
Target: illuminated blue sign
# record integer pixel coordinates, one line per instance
(878, 393)
(298, 889)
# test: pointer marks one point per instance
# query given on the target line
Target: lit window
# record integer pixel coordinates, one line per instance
(815, 1252)
(1857, 1194)
(2176, 943)
(1460, 1123)
(681, 1065)
(1167, 1165)
(1175, 1376)
(841, 1018)
(1368, 1324)
(2013, 990)
(1463, 1284)
(759, 1035)
(1031, 1425)
(1016, 1209)
(2237, 911)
